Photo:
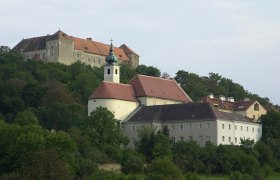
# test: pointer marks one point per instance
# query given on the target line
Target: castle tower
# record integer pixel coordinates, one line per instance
(112, 69)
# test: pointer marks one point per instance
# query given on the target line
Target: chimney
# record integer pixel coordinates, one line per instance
(231, 99)
(222, 98)
(89, 38)
(211, 96)
(247, 99)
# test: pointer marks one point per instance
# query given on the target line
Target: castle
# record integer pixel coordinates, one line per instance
(66, 49)
(159, 103)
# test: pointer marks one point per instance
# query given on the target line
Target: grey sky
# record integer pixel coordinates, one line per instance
(239, 39)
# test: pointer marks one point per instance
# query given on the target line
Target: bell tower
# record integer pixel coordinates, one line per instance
(112, 69)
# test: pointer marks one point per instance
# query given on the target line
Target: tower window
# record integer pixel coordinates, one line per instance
(108, 71)
(116, 71)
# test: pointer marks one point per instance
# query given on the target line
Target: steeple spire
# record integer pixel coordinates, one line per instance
(111, 58)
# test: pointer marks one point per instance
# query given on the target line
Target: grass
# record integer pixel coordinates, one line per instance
(274, 176)
(213, 177)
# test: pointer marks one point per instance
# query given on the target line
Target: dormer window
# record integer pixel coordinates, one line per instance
(256, 107)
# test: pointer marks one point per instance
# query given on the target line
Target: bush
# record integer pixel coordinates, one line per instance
(132, 162)
(267, 170)
(238, 176)
(162, 169)
(191, 176)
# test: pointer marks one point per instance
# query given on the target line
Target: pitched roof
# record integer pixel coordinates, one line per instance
(243, 105)
(183, 112)
(32, 44)
(109, 90)
(127, 50)
(226, 105)
(230, 106)
(86, 45)
(98, 48)
(158, 87)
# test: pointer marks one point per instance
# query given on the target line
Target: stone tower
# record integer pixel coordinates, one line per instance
(112, 69)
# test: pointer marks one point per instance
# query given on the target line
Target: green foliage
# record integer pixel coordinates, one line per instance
(162, 169)
(238, 176)
(148, 70)
(26, 118)
(271, 126)
(132, 162)
(191, 176)
(153, 145)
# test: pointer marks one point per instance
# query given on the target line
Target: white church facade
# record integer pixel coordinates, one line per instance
(157, 103)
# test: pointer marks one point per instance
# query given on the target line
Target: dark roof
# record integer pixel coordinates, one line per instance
(109, 90)
(183, 112)
(230, 106)
(127, 50)
(243, 105)
(158, 87)
(32, 44)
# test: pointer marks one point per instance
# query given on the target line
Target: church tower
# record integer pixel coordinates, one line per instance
(112, 69)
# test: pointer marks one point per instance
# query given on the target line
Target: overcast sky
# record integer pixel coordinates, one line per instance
(239, 39)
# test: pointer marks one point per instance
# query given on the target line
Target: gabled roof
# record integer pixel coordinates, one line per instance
(225, 105)
(183, 112)
(109, 90)
(158, 87)
(243, 105)
(98, 48)
(127, 50)
(86, 45)
(32, 44)
(60, 35)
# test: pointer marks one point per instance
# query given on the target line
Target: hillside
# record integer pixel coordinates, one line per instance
(45, 132)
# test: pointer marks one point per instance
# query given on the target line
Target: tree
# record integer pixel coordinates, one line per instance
(148, 70)
(271, 126)
(26, 118)
(132, 162)
(163, 169)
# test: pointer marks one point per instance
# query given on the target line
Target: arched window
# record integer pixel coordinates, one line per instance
(108, 71)
(256, 107)
(116, 71)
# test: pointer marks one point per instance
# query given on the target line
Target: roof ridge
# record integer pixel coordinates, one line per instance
(182, 89)
(116, 83)
(155, 77)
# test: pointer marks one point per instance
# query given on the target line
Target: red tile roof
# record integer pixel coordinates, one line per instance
(158, 87)
(230, 106)
(243, 105)
(109, 90)
(226, 105)
(86, 45)
(98, 48)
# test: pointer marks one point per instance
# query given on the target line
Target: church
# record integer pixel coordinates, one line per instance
(158, 103)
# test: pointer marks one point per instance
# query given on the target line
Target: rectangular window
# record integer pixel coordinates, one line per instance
(208, 138)
(229, 127)
(253, 129)
(190, 126)
(208, 125)
(190, 138)
(235, 139)
(133, 128)
(247, 129)
(229, 139)
(182, 126)
(182, 138)
(241, 128)
(223, 126)
(200, 126)
(223, 138)
(235, 127)
(172, 127)
(200, 138)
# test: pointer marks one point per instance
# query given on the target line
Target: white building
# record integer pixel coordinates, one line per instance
(200, 122)
(156, 102)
